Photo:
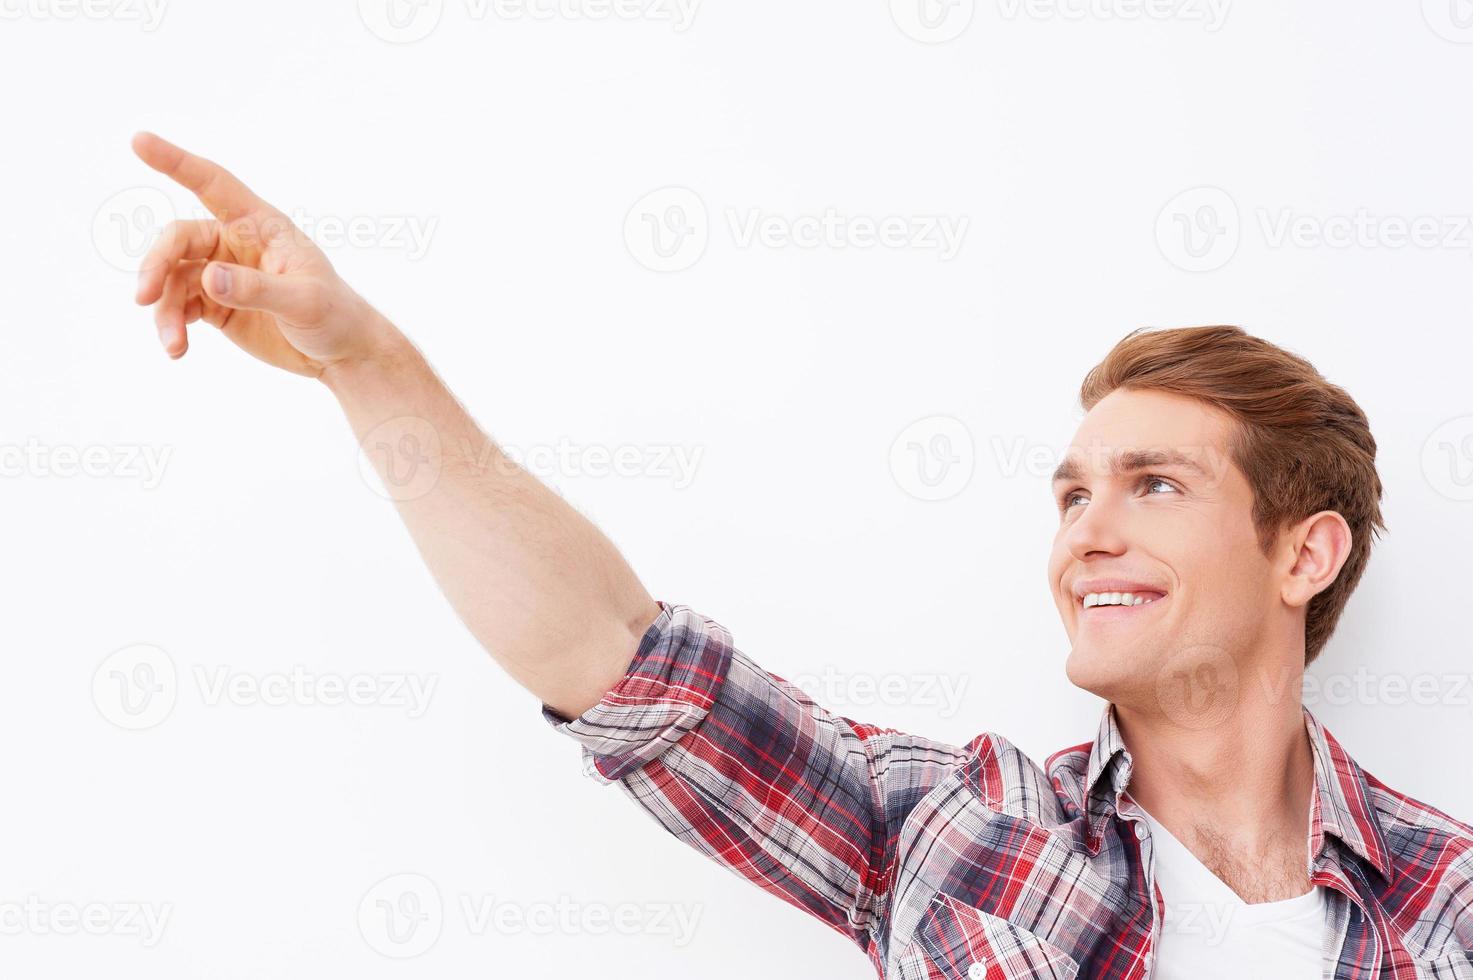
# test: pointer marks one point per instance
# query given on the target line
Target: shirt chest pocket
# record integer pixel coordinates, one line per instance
(959, 941)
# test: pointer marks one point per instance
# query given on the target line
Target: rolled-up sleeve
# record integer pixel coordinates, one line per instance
(745, 767)
(667, 690)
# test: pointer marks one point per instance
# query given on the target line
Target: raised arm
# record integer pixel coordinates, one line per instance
(736, 762)
(541, 588)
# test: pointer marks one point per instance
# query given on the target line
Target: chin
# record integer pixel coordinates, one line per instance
(1102, 673)
(1083, 669)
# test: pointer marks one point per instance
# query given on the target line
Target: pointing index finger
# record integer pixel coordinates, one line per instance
(217, 188)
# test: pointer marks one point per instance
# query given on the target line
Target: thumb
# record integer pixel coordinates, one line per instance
(243, 288)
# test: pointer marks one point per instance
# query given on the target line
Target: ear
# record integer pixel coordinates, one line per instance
(1317, 548)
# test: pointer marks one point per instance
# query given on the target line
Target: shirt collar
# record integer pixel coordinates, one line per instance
(1340, 803)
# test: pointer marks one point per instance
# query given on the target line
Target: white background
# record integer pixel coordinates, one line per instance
(1073, 141)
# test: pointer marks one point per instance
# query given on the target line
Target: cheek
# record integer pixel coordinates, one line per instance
(1237, 544)
(1227, 571)
(1057, 562)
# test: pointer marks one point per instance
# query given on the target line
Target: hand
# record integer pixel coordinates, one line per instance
(251, 273)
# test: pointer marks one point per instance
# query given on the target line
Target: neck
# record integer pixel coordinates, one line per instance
(1236, 793)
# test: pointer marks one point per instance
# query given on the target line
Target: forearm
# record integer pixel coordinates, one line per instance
(537, 584)
(541, 588)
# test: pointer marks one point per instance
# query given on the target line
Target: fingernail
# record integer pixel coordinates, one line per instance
(222, 280)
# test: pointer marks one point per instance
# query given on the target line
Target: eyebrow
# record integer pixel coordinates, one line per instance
(1131, 461)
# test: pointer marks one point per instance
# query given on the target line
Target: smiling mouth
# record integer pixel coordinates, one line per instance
(1118, 603)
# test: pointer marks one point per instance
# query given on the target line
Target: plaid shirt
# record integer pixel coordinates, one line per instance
(948, 862)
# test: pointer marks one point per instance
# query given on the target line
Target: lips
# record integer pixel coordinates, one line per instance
(1122, 595)
(1120, 598)
(1114, 608)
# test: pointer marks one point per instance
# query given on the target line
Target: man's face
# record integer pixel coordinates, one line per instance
(1151, 504)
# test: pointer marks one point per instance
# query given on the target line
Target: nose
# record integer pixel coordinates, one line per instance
(1096, 532)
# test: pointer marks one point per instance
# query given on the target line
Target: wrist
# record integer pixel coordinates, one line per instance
(385, 352)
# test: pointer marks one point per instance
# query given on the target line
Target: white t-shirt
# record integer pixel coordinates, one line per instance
(1208, 932)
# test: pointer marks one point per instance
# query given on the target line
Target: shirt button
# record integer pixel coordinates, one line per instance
(976, 972)
(1140, 831)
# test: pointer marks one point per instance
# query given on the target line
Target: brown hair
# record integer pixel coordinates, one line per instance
(1303, 443)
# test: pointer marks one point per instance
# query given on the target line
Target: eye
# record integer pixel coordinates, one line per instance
(1151, 481)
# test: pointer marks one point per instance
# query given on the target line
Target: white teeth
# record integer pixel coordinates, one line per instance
(1115, 599)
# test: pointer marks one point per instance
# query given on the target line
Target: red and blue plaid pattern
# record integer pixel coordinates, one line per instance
(942, 861)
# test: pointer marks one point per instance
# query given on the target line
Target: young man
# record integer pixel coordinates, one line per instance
(1216, 509)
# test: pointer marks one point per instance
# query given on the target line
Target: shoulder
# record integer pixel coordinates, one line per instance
(1009, 781)
(1431, 864)
(1417, 831)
